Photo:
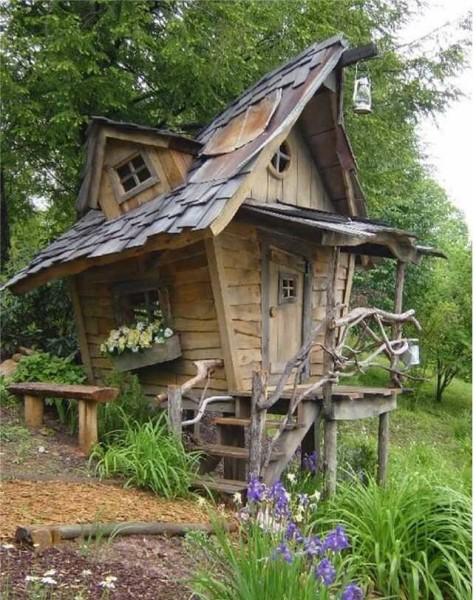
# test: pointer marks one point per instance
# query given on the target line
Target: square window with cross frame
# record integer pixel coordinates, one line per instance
(287, 288)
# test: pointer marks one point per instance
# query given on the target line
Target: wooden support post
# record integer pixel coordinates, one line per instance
(34, 408)
(330, 457)
(88, 425)
(384, 418)
(383, 440)
(258, 419)
(330, 426)
(318, 440)
(174, 406)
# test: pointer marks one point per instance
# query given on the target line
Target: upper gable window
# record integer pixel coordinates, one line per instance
(133, 172)
(281, 160)
(133, 175)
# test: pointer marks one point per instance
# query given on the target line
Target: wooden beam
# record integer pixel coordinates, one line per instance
(88, 425)
(34, 408)
(59, 390)
(222, 307)
(81, 329)
(354, 55)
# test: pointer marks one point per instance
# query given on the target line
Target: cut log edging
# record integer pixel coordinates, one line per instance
(43, 536)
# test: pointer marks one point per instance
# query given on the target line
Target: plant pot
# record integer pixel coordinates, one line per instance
(158, 353)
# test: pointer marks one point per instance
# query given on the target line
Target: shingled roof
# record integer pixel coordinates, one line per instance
(213, 179)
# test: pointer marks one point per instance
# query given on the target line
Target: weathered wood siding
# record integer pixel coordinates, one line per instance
(187, 277)
(241, 252)
(300, 185)
(319, 296)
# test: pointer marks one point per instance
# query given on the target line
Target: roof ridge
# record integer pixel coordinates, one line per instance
(315, 47)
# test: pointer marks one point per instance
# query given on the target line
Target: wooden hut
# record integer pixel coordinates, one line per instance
(233, 234)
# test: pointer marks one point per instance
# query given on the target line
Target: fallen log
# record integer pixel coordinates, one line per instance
(42, 536)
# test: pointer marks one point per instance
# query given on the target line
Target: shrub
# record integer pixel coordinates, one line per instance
(45, 367)
(131, 402)
(149, 456)
(412, 538)
(274, 555)
(40, 319)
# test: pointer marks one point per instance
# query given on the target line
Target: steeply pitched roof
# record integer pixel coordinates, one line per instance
(213, 179)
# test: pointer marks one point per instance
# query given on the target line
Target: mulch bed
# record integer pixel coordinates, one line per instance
(145, 568)
(55, 502)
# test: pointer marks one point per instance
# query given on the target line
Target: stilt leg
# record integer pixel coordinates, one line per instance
(330, 457)
(383, 440)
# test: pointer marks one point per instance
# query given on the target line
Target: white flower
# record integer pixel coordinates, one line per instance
(31, 578)
(49, 573)
(8, 546)
(316, 495)
(110, 578)
(298, 517)
(201, 501)
(49, 580)
(86, 572)
(291, 477)
(168, 332)
(237, 498)
(108, 585)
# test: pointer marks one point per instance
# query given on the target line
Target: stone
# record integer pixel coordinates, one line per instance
(8, 367)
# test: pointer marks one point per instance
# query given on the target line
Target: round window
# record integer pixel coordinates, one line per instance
(281, 160)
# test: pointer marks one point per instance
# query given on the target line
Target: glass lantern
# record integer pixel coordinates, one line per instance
(362, 99)
(411, 357)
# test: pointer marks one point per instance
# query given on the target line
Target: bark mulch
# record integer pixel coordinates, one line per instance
(146, 568)
(56, 502)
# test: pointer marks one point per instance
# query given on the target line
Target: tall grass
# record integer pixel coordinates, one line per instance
(412, 539)
(149, 456)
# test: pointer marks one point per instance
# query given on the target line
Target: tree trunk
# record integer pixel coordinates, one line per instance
(4, 224)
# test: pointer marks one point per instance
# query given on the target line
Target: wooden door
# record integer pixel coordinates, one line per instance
(285, 312)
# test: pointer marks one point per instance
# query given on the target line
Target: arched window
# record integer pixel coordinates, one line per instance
(281, 160)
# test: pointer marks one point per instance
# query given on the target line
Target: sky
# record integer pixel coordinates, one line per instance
(448, 142)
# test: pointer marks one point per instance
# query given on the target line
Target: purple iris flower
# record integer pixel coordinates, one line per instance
(325, 572)
(336, 540)
(285, 552)
(256, 489)
(278, 495)
(303, 500)
(353, 592)
(293, 533)
(313, 546)
(309, 462)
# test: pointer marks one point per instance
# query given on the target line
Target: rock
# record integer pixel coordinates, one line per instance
(8, 367)
(41, 449)
(26, 351)
(17, 357)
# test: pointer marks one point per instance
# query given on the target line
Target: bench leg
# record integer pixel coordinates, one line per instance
(33, 412)
(88, 425)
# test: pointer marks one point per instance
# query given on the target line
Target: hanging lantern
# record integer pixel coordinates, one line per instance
(411, 357)
(362, 99)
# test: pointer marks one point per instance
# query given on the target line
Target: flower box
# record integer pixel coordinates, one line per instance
(157, 353)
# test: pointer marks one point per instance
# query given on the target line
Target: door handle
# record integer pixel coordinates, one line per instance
(273, 311)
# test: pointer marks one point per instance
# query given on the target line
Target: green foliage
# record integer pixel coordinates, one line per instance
(45, 367)
(149, 456)
(131, 401)
(40, 319)
(6, 399)
(358, 457)
(411, 537)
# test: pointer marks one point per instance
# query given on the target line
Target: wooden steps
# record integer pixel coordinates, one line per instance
(231, 451)
(216, 484)
(237, 422)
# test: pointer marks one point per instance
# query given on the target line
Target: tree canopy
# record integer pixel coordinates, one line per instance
(176, 63)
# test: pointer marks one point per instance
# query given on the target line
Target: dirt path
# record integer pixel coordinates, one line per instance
(46, 480)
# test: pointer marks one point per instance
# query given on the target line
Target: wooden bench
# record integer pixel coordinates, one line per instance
(87, 396)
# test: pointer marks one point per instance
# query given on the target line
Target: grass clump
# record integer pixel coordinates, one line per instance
(411, 538)
(149, 456)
